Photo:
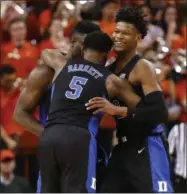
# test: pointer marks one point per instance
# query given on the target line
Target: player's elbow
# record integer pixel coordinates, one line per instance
(18, 115)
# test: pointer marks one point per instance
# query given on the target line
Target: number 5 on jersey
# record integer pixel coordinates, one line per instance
(76, 87)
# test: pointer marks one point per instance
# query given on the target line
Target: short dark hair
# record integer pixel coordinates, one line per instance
(133, 15)
(106, 2)
(86, 27)
(16, 20)
(98, 41)
(6, 69)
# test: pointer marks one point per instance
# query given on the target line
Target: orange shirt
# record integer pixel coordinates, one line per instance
(179, 41)
(23, 59)
(107, 27)
(165, 87)
(8, 103)
(181, 95)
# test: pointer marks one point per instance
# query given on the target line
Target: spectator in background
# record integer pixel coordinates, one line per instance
(173, 27)
(178, 139)
(109, 9)
(47, 14)
(9, 13)
(56, 38)
(18, 52)
(153, 31)
(10, 183)
(10, 131)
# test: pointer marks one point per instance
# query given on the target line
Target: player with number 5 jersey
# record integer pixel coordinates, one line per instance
(68, 147)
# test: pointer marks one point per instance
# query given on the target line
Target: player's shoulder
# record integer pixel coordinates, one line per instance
(144, 66)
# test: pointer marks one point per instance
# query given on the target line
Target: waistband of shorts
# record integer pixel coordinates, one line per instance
(123, 139)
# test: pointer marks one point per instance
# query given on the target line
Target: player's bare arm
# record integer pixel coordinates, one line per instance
(39, 79)
(115, 87)
(54, 59)
(146, 76)
(151, 108)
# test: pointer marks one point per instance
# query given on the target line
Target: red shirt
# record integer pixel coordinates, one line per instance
(46, 44)
(23, 59)
(181, 96)
(8, 103)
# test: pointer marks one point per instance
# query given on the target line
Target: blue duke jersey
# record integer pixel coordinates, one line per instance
(77, 83)
(125, 125)
(43, 113)
(144, 145)
(44, 106)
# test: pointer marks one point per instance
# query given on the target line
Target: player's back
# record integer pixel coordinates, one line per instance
(77, 83)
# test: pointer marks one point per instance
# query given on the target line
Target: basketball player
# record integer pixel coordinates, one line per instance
(79, 32)
(29, 102)
(139, 163)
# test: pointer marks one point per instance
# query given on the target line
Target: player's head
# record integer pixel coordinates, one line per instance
(130, 28)
(81, 30)
(96, 46)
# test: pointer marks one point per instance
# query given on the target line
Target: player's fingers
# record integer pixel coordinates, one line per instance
(96, 98)
(97, 111)
(94, 106)
(94, 102)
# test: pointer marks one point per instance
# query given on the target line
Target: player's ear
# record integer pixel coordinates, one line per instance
(139, 37)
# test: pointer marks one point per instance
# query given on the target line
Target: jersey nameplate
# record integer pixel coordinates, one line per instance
(85, 68)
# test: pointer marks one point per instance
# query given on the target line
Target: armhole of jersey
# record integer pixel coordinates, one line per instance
(132, 64)
(59, 72)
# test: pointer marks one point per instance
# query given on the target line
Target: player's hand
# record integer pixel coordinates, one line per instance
(99, 104)
(12, 144)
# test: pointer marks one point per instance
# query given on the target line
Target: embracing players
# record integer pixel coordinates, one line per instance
(69, 138)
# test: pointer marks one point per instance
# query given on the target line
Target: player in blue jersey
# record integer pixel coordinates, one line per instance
(80, 31)
(140, 162)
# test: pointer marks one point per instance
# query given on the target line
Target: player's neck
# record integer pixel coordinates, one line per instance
(93, 57)
(124, 58)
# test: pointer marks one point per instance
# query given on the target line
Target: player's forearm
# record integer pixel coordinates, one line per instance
(4, 135)
(151, 109)
(120, 111)
(26, 119)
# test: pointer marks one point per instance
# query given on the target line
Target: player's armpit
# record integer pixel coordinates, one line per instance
(122, 89)
(37, 83)
(146, 76)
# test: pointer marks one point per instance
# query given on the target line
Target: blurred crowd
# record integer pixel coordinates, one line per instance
(29, 26)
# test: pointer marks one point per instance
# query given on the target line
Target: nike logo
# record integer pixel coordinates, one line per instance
(140, 151)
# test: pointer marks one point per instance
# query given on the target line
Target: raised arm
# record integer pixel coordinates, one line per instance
(54, 59)
(39, 80)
